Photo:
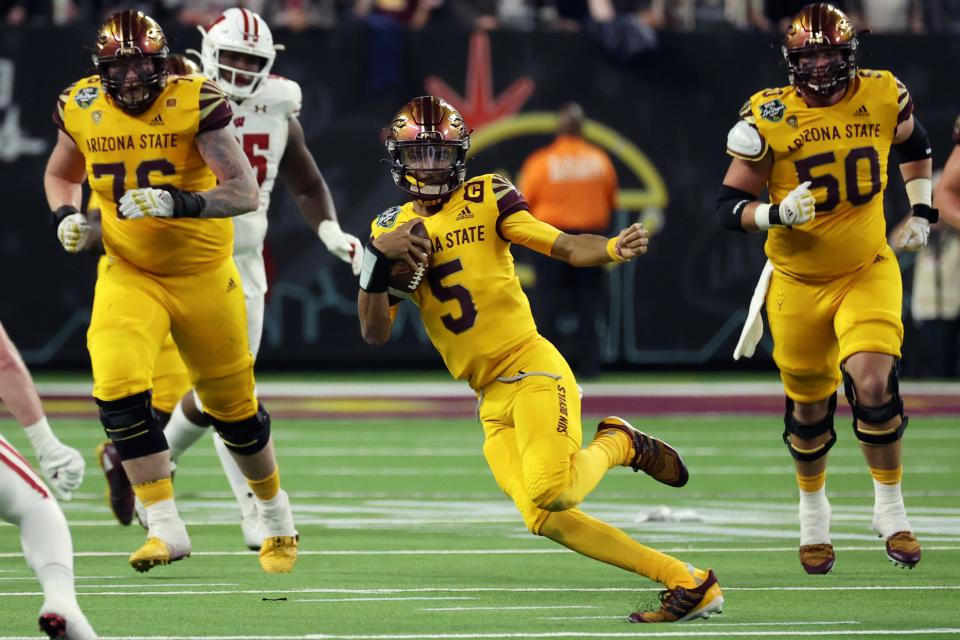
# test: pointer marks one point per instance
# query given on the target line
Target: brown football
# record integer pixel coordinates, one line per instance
(403, 280)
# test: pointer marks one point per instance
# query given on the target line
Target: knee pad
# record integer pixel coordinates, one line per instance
(877, 415)
(809, 431)
(245, 437)
(132, 425)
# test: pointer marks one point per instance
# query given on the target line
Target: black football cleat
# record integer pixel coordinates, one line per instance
(120, 495)
(53, 625)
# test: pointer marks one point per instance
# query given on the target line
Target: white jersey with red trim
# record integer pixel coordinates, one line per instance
(260, 123)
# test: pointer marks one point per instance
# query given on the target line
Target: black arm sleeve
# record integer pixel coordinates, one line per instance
(730, 204)
(917, 146)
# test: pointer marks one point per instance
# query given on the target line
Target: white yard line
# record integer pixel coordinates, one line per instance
(535, 590)
(482, 552)
(712, 624)
(416, 598)
(694, 631)
(156, 585)
(517, 608)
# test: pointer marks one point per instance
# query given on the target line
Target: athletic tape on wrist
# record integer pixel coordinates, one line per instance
(375, 270)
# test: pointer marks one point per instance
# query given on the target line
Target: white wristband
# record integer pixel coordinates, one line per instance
(40, 434)
(761, 216)
(920, 191)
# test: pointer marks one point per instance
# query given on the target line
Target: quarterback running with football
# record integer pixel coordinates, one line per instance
(238, 52)
(27, 503)
(479, 319)
(167, 174)
(831, 288)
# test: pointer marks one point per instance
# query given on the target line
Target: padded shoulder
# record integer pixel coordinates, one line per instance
(745, 142)
(284, 93)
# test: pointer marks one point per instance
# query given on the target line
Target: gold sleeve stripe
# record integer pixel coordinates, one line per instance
(746, 111)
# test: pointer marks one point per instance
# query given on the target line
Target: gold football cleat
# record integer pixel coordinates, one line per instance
(278, 554)
(154, 552)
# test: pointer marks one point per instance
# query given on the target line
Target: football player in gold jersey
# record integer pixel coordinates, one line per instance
(479, 319)
(167, 175)
(831, 287)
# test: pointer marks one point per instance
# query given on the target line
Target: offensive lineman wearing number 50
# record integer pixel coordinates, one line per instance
(479, 320)
(168, 174)
(831, 286)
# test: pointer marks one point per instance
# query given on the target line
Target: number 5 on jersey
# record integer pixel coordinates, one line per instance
(446, 293)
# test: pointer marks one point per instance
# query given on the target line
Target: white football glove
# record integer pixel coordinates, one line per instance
(60, 465)
(73, 232)
(149, 203)
(343, 245)
(914, 234)
(798, 207)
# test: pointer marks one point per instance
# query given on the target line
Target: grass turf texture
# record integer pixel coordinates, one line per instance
(405, 533)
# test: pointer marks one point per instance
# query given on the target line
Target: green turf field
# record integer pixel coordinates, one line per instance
(405, 535)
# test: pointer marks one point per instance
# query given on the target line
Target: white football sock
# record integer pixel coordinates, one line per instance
(48, 550)
(889, 512)
(164, 522)
(814, 517)
(276, 516)
(181, 433)
(238, 483)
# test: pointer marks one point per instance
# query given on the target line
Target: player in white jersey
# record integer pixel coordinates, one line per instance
(238, 52)
(25, 500)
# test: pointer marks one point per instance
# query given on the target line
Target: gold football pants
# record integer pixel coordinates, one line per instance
(816, 326)
(531, 426)
(171, 380)
(134, 314)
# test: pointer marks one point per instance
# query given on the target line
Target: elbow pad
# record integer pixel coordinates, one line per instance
(917, 146)
(730, 204)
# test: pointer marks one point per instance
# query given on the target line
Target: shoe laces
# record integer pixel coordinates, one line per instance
(678, 601)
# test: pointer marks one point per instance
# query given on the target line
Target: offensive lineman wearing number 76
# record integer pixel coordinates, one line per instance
(168, 174)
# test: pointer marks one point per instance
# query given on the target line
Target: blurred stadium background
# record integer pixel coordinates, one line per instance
(660, 101)
(661, 83)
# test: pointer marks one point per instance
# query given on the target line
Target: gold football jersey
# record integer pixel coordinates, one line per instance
(471, 303)
(842, 150)
(154, 148)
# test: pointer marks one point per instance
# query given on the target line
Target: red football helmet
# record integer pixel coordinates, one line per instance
(130, 55)
(820, 29)
(427, 142)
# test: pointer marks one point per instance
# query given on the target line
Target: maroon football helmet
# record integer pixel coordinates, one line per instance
(130, 55)
(427, 142)
(820, 28)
